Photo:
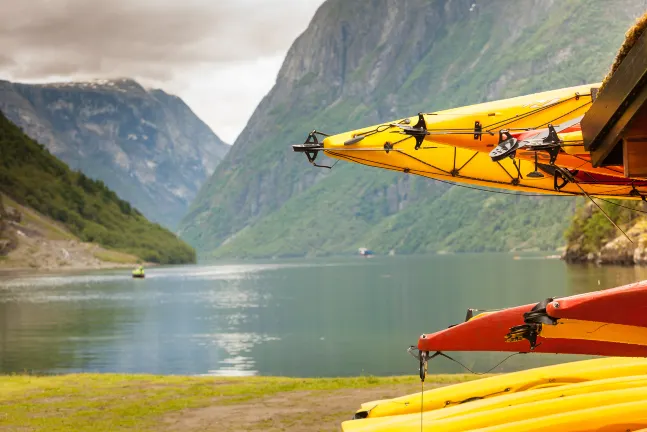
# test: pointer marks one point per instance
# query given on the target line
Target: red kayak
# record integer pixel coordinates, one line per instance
(623, 305)
(488, 331)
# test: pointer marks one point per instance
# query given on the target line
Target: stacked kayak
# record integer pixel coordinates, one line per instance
(528, 144)
(558, 390)
(559, 396)
(554, 395)
(615, 315)
(489, 332)
(626, 305)
(512, 144)
(539, 411)
(492, 388)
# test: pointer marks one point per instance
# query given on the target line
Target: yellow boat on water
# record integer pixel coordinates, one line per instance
(138, 273)
(503, 401)
(543, 377)
(624, 417)
(502, 415)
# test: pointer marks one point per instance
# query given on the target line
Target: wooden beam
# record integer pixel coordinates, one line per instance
(616, 105)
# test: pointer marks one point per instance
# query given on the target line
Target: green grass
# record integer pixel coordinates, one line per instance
(114, 402)
(47, 227)
(34, 178)
(116, 257)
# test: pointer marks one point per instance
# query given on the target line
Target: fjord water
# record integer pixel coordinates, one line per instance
(320, 317)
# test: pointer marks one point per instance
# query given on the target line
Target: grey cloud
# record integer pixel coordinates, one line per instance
(6, 61)
(144, 38)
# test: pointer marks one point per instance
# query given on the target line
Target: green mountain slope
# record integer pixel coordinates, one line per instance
(146, 145)
(31, 176)
(360, 63)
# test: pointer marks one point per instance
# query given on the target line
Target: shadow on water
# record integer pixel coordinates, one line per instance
(331, 317)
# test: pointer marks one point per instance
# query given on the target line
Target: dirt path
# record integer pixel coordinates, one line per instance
(285, 412)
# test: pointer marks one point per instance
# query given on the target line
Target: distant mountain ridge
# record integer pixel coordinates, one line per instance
(361, 63)
(146, 145)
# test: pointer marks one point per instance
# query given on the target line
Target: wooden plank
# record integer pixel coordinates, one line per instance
(613, 109)
(617, 128)
(635, 156)
(638, 126)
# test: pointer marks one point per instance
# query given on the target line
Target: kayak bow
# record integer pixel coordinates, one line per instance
(509, 144)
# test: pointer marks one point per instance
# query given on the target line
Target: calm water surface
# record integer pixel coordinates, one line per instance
(321, 317)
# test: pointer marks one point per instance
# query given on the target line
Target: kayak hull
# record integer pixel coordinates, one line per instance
(472, 167)
(626, 305)
(505, 414)
(623, 417)
(594, 331)
(454, 146)
(506, 400)
(485, 388)
(487, 332)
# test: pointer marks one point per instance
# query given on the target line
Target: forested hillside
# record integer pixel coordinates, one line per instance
(31, 176)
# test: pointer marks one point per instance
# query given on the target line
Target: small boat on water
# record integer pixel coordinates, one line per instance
(138, 273)
(365, 252)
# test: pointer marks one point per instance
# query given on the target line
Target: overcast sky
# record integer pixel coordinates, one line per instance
(220, 56)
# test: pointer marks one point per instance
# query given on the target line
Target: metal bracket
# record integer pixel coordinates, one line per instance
(564, 175)
(418, 131)
(507, 146)
(311, 147)
(423, 359)
(636, 193)
(538, 315)
(529, 332)
(478, 130)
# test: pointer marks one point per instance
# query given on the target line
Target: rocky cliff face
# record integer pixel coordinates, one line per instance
(359, 63)
(146, 145)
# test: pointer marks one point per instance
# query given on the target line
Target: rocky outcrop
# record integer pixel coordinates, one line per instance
(599, 242)
(146, 145)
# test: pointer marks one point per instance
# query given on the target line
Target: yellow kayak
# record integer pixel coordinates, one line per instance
(583, 330)
(523, 117)
(447, 146)
(507, 400)
(506, 414)
(543, 377)
(625, 417)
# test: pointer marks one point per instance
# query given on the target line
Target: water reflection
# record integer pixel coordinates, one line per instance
(582, 278)
(298, 318)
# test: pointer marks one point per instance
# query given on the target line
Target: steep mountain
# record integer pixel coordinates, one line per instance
(79, 208)
(146, 145)
(364, 62)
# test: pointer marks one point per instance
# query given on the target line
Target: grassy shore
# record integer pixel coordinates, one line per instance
(114, 402)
